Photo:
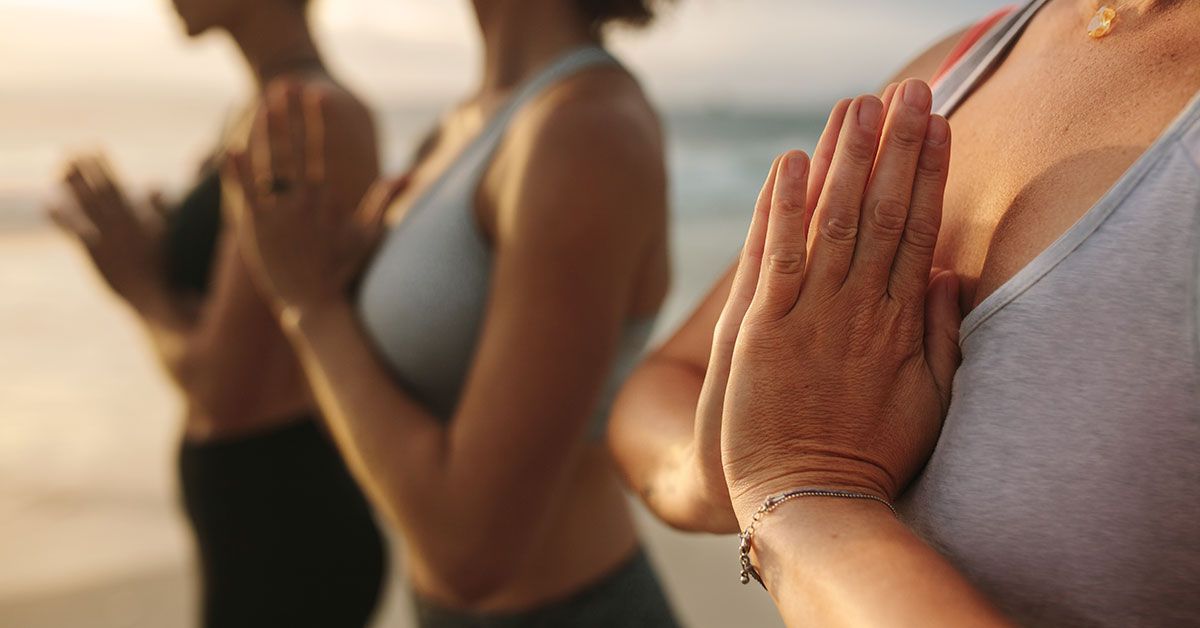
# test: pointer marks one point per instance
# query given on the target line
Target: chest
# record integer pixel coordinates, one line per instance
(1023, 171)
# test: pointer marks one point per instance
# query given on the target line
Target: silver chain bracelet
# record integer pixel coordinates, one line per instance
(773, 502)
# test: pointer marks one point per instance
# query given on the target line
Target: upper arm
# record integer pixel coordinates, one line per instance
(583, 190)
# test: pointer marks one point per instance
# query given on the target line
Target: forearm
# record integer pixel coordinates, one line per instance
(170, 324)
(839, 562)
(652, 436)
(395, 448)
(404, 458)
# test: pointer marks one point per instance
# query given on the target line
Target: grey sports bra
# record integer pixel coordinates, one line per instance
(423, 297)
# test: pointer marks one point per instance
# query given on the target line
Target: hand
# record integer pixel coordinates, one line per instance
(842, 368)
(124, 241)
(304, 248)
(717, 513)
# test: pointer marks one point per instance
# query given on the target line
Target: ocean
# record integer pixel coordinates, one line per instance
(89, 528)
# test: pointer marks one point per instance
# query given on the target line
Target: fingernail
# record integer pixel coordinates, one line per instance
(869, 112)
(796, 165)
(917, 95)
(938, 132)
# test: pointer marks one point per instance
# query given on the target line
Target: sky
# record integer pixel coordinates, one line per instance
(118, 75)
(759, 53)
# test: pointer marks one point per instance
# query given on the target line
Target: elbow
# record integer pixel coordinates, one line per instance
(205, 388)
(474, 580)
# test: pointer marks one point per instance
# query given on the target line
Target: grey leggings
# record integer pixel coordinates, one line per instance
(629, 597)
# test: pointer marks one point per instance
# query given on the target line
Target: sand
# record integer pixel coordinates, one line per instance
(90, 532)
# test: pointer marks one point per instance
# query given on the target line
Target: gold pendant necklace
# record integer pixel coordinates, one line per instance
(1102, 22)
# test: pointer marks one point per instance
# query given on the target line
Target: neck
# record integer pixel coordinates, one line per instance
(521, 36)
(275, 39)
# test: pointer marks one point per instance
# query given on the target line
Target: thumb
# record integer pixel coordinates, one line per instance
(942, 320)
(380, 197)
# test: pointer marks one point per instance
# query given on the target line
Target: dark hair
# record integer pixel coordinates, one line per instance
(600, 13)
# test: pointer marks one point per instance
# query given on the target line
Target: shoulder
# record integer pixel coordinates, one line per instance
(583, 159)
(342, 108)
(591, 130)
(926, 64)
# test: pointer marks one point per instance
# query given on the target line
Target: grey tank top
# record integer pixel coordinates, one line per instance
(423, 297)
(1066, 483)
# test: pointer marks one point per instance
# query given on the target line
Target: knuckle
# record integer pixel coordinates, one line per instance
(759, 334)
(860, 150)
(787, 204)
(907, 328)
(931, 168)
(786, 261)
(889, 216)
(921, 232)
(907, 138)
(839, 231)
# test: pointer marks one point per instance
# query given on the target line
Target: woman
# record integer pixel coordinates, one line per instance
(1059, 491)
(512, 287)
(284, 535)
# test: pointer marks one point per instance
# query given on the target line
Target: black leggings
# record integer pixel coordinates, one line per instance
(284, 534)
(629, 597)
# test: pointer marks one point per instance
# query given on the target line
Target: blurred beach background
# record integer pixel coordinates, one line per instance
(90, 533)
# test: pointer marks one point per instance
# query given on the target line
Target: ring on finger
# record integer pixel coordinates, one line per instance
(275, 186)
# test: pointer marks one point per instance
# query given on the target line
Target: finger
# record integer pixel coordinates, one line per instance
(888, 93)
(72, 222)
(381, 196)
(741, 295)
(108, 182)
(838, 209)
(943, 317)
(885, 208)
(273, 146)
(784, 253)
(315, 111)
(887, 97)
(85, 196)
(296, 120)
(823, 156)
(745, 278)
(238, 170)
(914, 256)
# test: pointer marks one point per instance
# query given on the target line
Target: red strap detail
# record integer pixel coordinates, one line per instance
(969, 40)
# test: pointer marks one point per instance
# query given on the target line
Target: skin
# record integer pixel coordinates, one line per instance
(225, 352)
(841, 563)
(508, 506)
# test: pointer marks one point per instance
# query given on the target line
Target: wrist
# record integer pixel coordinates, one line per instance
(155, 304)
(710, 506)
(748, 493)
(301, 320)
(798, 531)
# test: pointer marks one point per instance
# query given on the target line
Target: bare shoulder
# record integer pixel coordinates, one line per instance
(926, 64)
(599, 118)
(584, 157)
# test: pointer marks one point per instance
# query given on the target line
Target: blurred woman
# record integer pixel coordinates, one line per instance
(512, 287)
(284, 535)
(1060, 492)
